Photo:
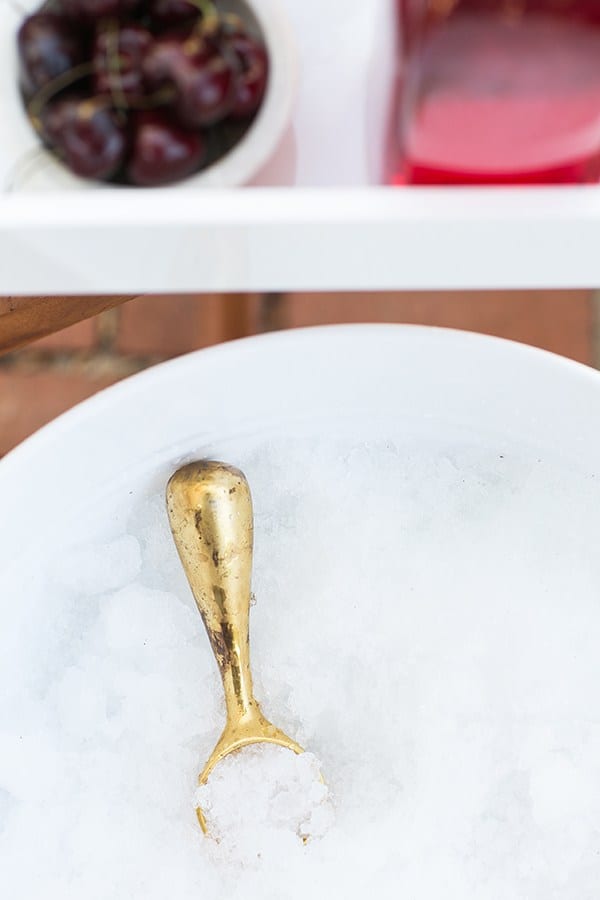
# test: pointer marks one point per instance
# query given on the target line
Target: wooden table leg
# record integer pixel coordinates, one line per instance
(25, 319)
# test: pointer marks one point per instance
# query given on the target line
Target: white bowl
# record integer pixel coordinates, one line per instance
(25, 165)
(82, 478)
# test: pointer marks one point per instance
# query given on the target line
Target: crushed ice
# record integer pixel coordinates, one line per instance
(427, 625)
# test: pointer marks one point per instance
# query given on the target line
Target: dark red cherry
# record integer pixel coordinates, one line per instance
(172, 12)
(251, 80)
(48, 46)
(118, 56)
(93, 10)
(162, 152)
(86, 135)
(203, 80)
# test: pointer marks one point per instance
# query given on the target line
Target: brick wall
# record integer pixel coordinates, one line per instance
(46, 378)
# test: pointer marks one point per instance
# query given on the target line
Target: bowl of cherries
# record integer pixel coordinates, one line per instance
(145, 93)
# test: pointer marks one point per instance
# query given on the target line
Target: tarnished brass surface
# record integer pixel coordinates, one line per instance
(210, 511)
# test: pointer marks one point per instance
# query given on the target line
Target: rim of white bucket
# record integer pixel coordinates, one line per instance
(408, 371)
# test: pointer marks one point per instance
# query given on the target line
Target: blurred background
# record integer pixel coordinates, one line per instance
(50, 375)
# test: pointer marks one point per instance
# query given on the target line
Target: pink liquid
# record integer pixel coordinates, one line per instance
(487, 100)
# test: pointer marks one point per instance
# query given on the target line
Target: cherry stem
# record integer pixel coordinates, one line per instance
(209, 18)
(160, 98)
(18, 173)
(55, 86)
(207, 8)
(113, 61)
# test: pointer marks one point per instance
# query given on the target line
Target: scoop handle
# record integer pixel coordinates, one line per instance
(210, 512)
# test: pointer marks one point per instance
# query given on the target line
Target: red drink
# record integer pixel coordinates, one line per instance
(494, 95)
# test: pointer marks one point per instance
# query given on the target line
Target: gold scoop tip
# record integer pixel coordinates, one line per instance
(278, 738)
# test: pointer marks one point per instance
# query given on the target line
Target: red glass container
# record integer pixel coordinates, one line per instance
(500, 92)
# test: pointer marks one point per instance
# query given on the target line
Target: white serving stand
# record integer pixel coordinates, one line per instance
(316, 217)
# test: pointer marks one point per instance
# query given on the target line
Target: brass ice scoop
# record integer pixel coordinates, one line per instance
(210, 511)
